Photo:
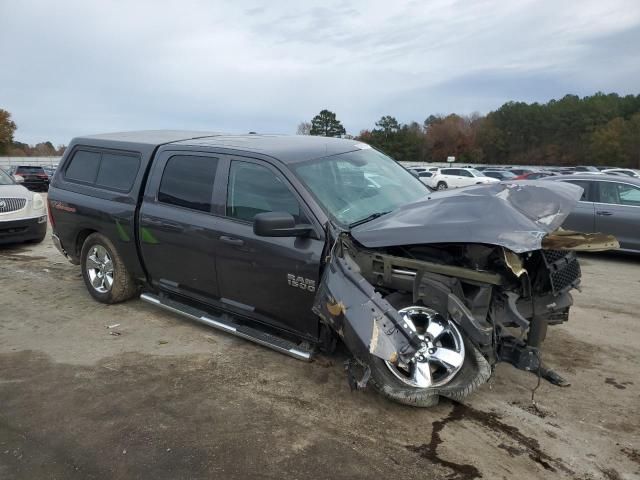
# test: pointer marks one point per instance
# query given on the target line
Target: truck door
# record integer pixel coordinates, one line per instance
(274, 277)
(177, 228)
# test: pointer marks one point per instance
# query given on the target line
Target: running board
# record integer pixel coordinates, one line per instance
(226, 324)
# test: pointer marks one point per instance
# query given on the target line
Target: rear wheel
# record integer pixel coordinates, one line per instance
(104, 272)
(442, 186)
(447, 365)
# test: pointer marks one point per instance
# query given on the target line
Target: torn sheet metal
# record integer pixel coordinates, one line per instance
(514, 215)
(579, 242)
(365, 321)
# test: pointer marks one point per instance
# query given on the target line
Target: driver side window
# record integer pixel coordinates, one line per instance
(256, 189)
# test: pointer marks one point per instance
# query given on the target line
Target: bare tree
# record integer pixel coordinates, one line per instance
(304, 128)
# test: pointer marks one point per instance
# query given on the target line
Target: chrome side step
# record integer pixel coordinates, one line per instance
(226, 324)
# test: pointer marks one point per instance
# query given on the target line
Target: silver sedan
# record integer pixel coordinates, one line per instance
(610, 204)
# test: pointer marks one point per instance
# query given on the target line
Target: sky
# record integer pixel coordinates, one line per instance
(70, 68)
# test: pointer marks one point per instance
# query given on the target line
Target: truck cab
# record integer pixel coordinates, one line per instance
(295, 242)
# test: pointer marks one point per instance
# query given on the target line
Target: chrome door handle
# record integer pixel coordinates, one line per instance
(232, 241)
(604, 213)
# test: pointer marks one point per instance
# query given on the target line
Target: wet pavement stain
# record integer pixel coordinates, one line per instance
(462, 471)
(524, 445)
(614, 382)
(632, 453)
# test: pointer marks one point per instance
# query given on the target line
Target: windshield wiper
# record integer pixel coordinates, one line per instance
(367, 219)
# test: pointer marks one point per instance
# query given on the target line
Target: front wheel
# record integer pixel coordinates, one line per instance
(104, 272)
(448, 365)
(442, 186)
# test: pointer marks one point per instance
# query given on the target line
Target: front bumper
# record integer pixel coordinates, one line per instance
(22, 230)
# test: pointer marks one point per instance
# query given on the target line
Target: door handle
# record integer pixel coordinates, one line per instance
(232, 241)
(604, 213)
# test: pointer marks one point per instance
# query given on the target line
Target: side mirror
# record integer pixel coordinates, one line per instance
(18, 178)
(278, 224)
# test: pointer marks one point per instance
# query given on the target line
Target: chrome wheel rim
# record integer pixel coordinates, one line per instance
(441, 355)
(99, 269)
(442, 186)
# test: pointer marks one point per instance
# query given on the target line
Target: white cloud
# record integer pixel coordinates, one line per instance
(71, 68)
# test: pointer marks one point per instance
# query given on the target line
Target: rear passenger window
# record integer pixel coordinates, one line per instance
(117, 171)
(83, 167)
(187, 181)
(586, 196)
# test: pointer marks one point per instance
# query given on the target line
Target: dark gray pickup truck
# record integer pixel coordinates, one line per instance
(295, 242)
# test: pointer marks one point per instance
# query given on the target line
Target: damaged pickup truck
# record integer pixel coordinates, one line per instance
(296, 242)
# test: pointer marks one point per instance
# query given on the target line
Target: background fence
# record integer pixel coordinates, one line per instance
(6, 162)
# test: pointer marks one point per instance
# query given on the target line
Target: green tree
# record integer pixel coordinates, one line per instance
(7, 128)
(326, 124)
(388, 125)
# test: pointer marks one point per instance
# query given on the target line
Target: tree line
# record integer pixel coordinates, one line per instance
(601, 129)
(12, 148)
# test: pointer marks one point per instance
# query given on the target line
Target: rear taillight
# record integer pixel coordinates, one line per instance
(51, 221)
(521, 177)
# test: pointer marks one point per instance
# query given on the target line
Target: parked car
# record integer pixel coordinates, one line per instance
(426, 178)
(35, 178)
(583, 168)
(499, 174)
(609, 204)
(517, 171)
(22, 213)
(534, 175)
(295, 242)
(627, 172)
(458, 177)
(49, 170)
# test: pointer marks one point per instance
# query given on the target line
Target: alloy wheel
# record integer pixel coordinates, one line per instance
(441, 355)
(99, 269)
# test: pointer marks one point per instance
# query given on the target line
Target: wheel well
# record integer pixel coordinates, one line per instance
(80, 238)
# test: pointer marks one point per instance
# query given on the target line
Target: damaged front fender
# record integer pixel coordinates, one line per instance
(365, 321)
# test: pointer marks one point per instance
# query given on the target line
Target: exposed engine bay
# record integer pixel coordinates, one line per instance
(425, 309)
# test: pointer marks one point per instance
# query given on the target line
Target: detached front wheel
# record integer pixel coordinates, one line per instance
(448, 364)
(104, 272)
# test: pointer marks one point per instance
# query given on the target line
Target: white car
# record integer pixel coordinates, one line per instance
(445, 178)
(622, 172)
(23, 215)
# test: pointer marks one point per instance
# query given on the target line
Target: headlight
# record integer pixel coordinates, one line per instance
(38, 202)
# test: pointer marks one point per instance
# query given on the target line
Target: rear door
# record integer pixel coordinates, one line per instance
(582, 219)
(178, 228)
(617, 212)
(451, 177)
(272, 278)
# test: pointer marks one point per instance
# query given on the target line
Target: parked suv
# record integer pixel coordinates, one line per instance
(296, 242)
(35, 178)
(458, 177)
(22, 213)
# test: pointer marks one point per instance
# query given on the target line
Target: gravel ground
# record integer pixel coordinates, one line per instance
(167, 398)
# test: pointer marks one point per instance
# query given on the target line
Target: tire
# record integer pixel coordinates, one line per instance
(442, 186)
(474, 372)
(121, 287)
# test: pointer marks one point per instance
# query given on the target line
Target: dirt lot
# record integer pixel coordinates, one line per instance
(170, 399)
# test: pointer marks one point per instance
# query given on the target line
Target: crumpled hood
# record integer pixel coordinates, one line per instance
(514, 215)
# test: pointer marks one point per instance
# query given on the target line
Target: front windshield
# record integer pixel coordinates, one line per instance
(356, 185)
(5, 179)
(476, 173)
